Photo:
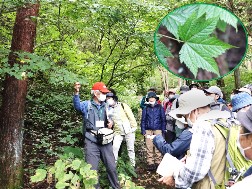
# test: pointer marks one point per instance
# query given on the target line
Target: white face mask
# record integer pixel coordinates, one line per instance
(152, 103)
(179, 124)
(110, 102)
(170, 96)
(189, 122)
(102, 97)
(242, 151)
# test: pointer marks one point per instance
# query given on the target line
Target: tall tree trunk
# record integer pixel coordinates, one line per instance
(237, 78)
(13, 101)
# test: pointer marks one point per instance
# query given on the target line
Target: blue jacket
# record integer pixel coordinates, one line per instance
(91, 112)
(178, 147)
(153, 118)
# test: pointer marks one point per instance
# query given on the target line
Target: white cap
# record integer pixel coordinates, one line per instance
(246, 90)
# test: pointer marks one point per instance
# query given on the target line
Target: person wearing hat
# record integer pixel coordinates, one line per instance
(245, 90)
(244, 144)
(152, 123)
(216, 94)
(95, 117)
(204, 154)
(168, 95)
(170, 133)
(177, 148)
(125, 125)
(241, 101)
(175, 104)
(194, 86)
(144, 102)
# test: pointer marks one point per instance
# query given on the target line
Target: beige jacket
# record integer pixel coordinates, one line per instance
(122, 117)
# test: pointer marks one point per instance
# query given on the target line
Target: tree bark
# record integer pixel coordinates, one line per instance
(237, 78)
(13, 101)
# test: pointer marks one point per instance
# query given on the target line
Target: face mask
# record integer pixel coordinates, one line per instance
(242, 151)
(152, 103)
(189, 122)
(179, 124)
(110, 102)
(170, 96)
(102, 97)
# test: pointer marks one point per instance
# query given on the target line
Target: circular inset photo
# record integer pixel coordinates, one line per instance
(200, 42)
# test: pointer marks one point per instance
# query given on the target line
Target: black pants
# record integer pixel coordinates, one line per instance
(95, 152)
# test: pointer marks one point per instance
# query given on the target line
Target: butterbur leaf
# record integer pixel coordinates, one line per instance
(39, 176)
(61, 185)
(76, 164)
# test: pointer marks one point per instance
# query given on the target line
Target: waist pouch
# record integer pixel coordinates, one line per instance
(103, 135)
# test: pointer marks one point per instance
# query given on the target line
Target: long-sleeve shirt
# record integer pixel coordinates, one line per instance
(178, 147)
(201, 151)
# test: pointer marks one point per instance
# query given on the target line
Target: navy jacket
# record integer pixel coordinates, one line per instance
(153, 118)
(177, 148)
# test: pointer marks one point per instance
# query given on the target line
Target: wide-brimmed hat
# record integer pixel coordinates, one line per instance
(151, 95)
(101, 87)
(214, 90)
(240, 100)
(245, 118)
(190, 101)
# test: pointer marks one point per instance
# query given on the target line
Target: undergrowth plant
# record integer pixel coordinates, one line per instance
(70, 170)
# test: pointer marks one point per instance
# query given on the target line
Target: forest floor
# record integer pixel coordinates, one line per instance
(40, 148)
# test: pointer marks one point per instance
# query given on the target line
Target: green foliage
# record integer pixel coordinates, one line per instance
(29, 64)
(194, 25)
(68, 171)
(124, 170)
(39, 176)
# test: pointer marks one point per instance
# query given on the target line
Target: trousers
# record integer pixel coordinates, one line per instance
(153, 155)
(130, 141)
(94, 153)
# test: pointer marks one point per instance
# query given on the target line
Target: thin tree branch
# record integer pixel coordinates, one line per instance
(141, 65)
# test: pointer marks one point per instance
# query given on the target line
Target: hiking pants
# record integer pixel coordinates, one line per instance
(153, 155)
(130, 140)
(95, 152)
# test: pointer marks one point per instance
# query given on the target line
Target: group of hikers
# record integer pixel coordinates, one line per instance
(211, 139)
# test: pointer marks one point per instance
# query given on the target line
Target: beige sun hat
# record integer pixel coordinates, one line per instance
(190, 101)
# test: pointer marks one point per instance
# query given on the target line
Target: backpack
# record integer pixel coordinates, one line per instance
(236, 164)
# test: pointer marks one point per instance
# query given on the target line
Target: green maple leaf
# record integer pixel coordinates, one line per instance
(180, 15)
(212, 11)
(200, 49)
(177, 17)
